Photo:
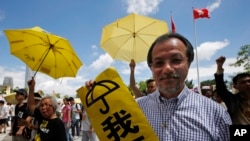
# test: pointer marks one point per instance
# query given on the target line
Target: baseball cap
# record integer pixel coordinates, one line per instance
(37, 96)
(21, 91)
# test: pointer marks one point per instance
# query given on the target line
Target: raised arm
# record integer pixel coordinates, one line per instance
(132, 84)
(221, 88)
(31, 99)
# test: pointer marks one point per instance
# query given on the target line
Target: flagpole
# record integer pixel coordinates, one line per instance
(171, 21)
(196, 54)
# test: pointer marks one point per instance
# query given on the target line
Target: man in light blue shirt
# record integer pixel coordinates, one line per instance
(175, 112)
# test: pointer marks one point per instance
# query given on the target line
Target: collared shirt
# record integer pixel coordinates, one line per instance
(188, 117)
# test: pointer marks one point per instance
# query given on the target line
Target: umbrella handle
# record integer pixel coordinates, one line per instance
(51, 46)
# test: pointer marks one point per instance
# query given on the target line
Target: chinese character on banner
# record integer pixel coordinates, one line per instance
(112, 110)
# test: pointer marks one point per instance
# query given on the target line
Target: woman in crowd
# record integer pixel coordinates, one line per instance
(50, 126)
(66, 117)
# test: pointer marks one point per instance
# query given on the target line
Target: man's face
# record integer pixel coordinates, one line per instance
(170, 66)
(208, 94)
(243, 85)
(72, 102)
(20, 97)
(151, 87)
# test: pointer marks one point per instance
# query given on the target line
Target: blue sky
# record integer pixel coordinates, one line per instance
(81, 22)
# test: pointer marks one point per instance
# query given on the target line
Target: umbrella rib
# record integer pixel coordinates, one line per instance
(147, 26)
(57, 50)
(121, 45)
(66, 60)
(42, 62)
(36, 36)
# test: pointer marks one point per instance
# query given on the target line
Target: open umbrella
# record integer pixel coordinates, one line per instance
(10, 98)
(44, 52)
(130, 37)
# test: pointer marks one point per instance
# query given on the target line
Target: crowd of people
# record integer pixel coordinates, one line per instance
(37, 118)
(173, 110)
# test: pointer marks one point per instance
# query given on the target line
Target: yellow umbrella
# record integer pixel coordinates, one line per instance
(130, 37)
(10, 98)
(44, 52)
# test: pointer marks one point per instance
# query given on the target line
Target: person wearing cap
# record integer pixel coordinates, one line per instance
(18, 131)
(50, 127)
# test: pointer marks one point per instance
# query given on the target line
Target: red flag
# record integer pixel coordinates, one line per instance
(201, 13)
(173, 25)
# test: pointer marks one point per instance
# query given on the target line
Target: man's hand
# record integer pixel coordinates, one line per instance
(89, 84)
(31, 83)
(132, 64)
(220, 61)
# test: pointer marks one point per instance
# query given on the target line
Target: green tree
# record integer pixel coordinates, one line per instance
(142, 86)
(57, 95)
(243, 58)
(208, 83)
(189, 84)
(41, 92)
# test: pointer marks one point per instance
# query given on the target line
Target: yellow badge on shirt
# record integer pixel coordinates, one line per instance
(113, 111)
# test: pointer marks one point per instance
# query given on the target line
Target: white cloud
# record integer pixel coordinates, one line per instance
(143, 7)
(214, 6)
(139, 68)
(207, 49)
(94, 47)
(102, 62)
(206, 73)
(43, 82)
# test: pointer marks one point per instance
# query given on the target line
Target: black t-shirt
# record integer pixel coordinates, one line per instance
(21, 113)
(50, 129)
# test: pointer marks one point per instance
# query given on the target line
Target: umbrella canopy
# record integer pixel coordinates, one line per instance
(44, 52)
(10, 98)
(130, 37)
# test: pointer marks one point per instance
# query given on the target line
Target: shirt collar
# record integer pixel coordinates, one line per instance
(179, 98)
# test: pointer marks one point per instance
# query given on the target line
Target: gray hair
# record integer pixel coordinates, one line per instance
(53, 100)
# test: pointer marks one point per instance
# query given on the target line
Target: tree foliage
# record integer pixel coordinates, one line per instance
(243, 58)
(208, 83)
(189, 84)
(142, 86)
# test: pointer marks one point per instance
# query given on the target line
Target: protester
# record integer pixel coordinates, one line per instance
(88, 133)
(75, 124)
(174, 111)
(59, 109)
(51, 127)
(207, 93)
(11, 113)
(4, 113)
(34, 123)
(66, 117)
(238, 104)
(218, 99)
(150, 83)
(18, 130)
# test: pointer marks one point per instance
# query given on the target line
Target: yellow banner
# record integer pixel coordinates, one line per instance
(113, 111)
